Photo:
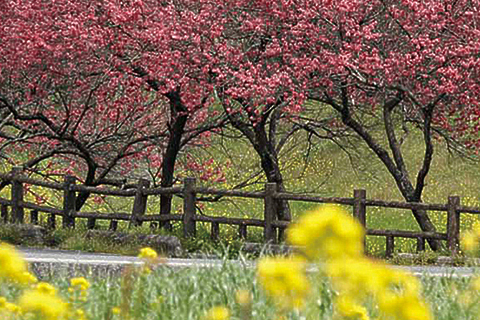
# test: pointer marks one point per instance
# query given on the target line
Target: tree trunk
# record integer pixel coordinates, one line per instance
(421, 216)
(272, 172)
(395, 166)
(83, 196)
(178, 120)
(264, 145)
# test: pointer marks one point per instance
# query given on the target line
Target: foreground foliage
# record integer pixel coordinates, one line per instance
(345, 285)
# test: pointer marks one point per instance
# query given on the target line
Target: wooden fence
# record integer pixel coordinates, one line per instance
(273, 229)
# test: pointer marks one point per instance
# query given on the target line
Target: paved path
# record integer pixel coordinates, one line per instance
(49, 262)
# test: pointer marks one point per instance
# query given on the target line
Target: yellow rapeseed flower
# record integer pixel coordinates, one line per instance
(12, 266)
(80, 314)
(116, 310)
(48, 306)
(366, 277)
(148, 254)
(347, 308)
(471, 239)
(46, 288)
(3, 301)
(217, 313)
(327, 232)
(243, 297)
(28, 278)
(404, 306)
(13, 308)
(8, 307)
(361, 275)
(80, 283)
(475, 284)
(284, 279)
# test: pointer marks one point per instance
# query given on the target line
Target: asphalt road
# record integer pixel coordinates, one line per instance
(55, 263)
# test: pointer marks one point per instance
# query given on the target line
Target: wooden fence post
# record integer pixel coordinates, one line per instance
(390, 246)
(453, 224)
(4, 213)
(140, 202)
(420, 244)
(34, 217)
(215, 231)
(189, 199)
(242, 232)
(360, 211)
(69, 198)
(91, 222)
(269, 212)
(51, 221)
(281, 234)
(17, 196)
(113, 225)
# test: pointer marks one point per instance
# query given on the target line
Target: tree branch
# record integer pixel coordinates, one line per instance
(427, 136)
(390, 130)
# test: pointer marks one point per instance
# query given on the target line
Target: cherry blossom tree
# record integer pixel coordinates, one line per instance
(103, 82)
(413, 60)
(168, 45)
(406, 61)
(401, 61)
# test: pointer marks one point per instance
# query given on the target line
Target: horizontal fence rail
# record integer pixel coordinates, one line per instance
(273, 228)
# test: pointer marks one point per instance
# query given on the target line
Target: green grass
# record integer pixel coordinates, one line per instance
(329, 171)
(188, 293)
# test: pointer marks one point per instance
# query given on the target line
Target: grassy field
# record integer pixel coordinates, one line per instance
(188, 294)
(329, 171)
(330, 278)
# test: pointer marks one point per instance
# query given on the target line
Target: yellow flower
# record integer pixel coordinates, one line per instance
(28, 278)
(47, 305)
(393, 289)
(348, 309)
(328, 232)
(395, 305)
(12, 265)
(357, 275)
(148, 254)
(80, 314)
(150, 257)
(12, 308)
(116, 310)
(366, 277)
(8, 307)
(285, 280)
(46, 288)
(217, 313)
(80, 283)
(243, 297)
(469, 241)
(146, 270)
(475, 285)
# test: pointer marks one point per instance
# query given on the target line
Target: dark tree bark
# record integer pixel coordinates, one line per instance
(178, 121)
(395, 166)
(176, 128)
(267, 149)
(269, 162)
